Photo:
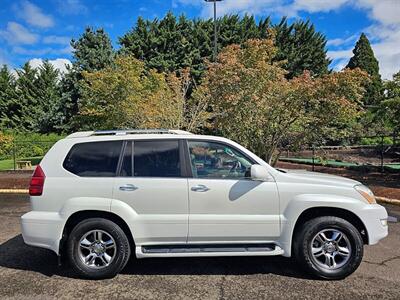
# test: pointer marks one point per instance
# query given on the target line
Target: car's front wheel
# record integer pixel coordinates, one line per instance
(98, 248)
(329, 247)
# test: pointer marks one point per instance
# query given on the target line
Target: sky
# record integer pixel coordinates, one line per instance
(34, 30)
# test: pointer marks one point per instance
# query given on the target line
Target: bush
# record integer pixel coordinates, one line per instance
(377, 141)
(26, 144)
(6, 144)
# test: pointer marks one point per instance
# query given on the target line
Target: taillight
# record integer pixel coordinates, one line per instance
(37, 182)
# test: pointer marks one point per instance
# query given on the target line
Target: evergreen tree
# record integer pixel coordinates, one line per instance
(92, 52)
(302, 47)
(364, 59)
(9, 108)
(27, 97)
(171, 45)
(47, 98)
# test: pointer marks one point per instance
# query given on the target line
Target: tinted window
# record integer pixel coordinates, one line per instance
(214, 160)
(97, 159)
(126, 168)
(156, 159)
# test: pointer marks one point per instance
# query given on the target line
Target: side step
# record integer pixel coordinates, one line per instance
(208, 250)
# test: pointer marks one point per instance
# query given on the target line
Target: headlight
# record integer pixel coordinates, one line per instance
(366, 193)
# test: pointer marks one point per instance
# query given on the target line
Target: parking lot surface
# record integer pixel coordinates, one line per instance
(33, 273)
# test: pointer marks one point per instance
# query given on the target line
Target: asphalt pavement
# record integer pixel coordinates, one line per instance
(32, 273)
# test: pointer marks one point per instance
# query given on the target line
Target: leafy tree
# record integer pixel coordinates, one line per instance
(9, 107)
(253, 102)
(364, 59)
(126, 95)
(389, 108)
(302, 48)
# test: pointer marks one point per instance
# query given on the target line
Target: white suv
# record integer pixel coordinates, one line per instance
(98, 196)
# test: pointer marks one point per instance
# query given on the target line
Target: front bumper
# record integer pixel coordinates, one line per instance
(42, 229)
(372, 216)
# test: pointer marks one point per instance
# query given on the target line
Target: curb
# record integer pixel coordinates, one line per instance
(14, 191)
(388, 200)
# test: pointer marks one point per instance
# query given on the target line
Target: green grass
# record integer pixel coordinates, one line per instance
(8, 164)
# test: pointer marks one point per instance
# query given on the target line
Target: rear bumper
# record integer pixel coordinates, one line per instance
(372, 217)
(42, 229)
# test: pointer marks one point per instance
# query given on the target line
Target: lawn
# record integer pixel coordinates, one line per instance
(8, 164)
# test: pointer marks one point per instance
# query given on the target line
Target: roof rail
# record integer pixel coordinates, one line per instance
(127, 131)
(138, 131)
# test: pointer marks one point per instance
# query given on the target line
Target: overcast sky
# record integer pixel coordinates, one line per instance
(37, 30)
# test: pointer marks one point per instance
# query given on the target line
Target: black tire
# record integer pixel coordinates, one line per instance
(302, 246)
(119, 258)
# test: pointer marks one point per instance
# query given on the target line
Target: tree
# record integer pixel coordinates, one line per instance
(301, 47)
(364, 59)
(92, 52)
(169, 45)
(9, 108)
(48, 99)
(128, 96)
(389, 108)
(27, 97)
(255, 104)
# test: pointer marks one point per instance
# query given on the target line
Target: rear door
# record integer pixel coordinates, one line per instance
(152, 181)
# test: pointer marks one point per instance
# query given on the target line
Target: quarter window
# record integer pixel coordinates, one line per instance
(215, 160)
(94, 159)
(156, 159)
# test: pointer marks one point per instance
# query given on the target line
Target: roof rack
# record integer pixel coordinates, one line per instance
(127, 131)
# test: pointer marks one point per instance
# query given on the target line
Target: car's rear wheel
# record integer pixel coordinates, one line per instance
(98, 248)
(328, 247)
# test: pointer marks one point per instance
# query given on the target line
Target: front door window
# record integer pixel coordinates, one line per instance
(219, 161)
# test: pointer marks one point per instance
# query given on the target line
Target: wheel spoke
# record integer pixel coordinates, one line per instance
(317, 252)
(103, 260)
(330, 260)
(109, 244)
(107, 257)
(90, 258)
(343, 251)
(322, 237)
(336, 236)
(85, 243)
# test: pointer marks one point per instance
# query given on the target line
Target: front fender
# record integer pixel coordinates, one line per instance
(300, 203)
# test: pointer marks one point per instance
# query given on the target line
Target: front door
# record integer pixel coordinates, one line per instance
(153, 184)
(225, 205)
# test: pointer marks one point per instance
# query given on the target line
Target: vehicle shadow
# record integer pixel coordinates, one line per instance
(14, 254)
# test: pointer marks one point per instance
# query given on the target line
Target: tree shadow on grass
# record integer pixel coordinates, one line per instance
(14, 254)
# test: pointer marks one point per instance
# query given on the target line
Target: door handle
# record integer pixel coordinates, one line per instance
(200, 188)
(128, 187)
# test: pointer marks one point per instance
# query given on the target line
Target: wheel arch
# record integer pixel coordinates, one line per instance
(314, 212)
(79, 216)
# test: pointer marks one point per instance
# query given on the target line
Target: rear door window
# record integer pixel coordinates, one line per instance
(156, 159)
(94, 159)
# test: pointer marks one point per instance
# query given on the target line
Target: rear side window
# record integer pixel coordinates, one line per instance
(156, 159)
(95, 159)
